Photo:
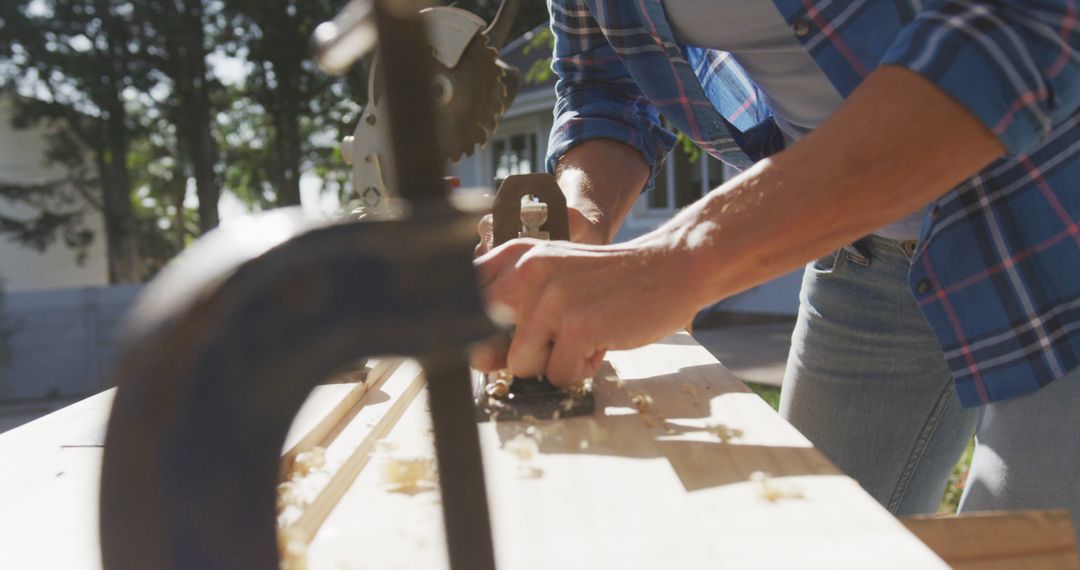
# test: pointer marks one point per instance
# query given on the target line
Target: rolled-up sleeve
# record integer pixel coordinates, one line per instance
(1013, 64)
(595, 95)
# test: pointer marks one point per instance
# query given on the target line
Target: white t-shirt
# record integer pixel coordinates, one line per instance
(795, 88)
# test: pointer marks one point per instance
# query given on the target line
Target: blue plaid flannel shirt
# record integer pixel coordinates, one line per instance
(997, 270)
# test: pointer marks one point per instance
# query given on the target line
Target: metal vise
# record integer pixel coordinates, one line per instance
(225, 345)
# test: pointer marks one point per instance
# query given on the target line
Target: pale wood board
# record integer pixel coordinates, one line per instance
(1025, 540)
(621, 490)
(615, 490)
(49, 488)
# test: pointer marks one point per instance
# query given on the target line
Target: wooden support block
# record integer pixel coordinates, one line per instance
(407, 381)
(331, 424)
(1023, 540)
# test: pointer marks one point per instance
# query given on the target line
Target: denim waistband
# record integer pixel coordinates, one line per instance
(863, 251)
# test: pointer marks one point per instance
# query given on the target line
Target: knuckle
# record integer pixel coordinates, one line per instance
(531, 266)
(551, 299)
(573, 325)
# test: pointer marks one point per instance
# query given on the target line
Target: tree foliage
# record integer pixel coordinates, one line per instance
(156, 107)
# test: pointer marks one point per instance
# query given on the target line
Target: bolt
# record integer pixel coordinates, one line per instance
(347, 149)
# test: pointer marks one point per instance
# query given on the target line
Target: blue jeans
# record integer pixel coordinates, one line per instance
(867, 383)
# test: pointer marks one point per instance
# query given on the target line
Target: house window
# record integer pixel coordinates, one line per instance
(515, 154)
(682, 182)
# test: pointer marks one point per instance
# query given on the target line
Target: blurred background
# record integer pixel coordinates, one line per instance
(130, 128)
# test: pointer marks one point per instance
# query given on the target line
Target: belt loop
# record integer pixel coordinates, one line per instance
(909, 246)
(857, 255)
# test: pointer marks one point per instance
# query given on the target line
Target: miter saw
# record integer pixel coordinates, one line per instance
(471, 87)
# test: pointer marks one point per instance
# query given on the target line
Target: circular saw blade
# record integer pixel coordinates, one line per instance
(471, 96)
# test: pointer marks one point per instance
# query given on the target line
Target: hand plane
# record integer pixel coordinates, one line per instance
(533, 206)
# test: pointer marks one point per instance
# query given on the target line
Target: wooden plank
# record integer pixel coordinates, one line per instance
(832, 523)
(640, 490)
(49, 488)
(1028, 540)
(669, 487)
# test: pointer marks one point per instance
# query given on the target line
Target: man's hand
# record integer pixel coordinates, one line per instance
(572, 302)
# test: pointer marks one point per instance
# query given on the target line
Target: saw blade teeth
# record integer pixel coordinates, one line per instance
(478, 101)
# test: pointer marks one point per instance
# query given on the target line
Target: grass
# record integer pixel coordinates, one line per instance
(953, 490)
(770, 394)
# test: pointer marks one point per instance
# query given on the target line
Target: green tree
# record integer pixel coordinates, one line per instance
(177, 47)
(296, 111)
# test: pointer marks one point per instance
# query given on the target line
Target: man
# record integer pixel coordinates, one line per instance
(933, 176)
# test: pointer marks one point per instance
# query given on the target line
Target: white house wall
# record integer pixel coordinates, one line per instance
(22, 156)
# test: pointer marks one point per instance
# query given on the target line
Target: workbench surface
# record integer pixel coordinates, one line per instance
(675, 482)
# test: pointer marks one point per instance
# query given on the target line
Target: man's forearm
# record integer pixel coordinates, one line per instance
(601, 179)
(897, 144)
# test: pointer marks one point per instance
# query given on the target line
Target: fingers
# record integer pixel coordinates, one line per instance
(489, 355)
(572, 360)
(493, 264)
(567, 365)
(484, 228)
(529, 351)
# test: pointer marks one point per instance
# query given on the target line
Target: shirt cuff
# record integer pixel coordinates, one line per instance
(571, 129)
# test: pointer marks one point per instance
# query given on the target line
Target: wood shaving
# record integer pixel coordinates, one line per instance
(307, 475)
(641, 402)
(771, 491)
(525, 448)
(406, 472)
(724, 433)
(309, 461)
(498, 389)
(578, 391)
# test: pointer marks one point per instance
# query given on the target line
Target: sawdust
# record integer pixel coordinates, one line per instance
(771, 491)
(403, 472)
(724, 433)
(525, 447)
(309, 461)
(307, 475)
(641, 402)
